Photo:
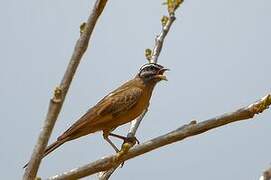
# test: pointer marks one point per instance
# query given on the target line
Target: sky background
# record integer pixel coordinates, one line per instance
(219, 55)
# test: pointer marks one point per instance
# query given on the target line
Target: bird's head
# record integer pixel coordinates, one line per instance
(152, 72)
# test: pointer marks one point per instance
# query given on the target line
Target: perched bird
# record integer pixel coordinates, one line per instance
(117, 108)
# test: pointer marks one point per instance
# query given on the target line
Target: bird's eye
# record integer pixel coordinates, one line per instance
(149, 69)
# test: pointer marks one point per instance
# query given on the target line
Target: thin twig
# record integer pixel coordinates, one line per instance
(60, 92)
(179, 134)
(159, 40)
(135, 124)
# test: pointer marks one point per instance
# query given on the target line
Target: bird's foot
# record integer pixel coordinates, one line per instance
(132, 140)
(126, 146)
(128, 143)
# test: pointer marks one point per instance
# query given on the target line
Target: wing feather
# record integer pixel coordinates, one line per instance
(120, 102)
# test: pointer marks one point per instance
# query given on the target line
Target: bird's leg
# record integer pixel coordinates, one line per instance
(131, 139)
(117, 136)
(105, 135)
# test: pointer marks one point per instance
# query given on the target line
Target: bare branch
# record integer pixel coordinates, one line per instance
(60, 92)
(159, 40)
(135, 124)
(179, 134)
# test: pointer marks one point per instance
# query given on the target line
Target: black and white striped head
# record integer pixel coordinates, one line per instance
(152, 72)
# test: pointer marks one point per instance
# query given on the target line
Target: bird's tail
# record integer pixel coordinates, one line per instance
(50, 148)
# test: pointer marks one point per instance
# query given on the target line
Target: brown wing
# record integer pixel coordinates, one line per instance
(113, 104)
(120, 102)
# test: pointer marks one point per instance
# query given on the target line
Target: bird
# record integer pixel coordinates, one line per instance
(119, 107)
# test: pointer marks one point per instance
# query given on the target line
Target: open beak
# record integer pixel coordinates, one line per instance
(161, 75)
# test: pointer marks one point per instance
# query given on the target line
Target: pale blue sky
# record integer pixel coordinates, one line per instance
(219, 55)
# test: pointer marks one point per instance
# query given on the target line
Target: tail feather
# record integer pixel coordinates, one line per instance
(52, 147)
(49, 149)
